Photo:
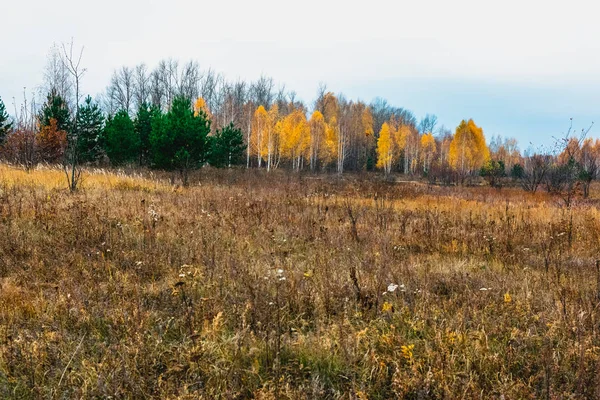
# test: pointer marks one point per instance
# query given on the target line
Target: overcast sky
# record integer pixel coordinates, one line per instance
(519, 68)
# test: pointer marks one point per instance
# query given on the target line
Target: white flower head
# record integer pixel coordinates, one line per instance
(392, 287)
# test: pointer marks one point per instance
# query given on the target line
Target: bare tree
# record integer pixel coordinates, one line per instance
(20, 145)
(428, 124)
(344, 127)
(57, 78)
(565, 175)
(248, 115)
(120, 92)
(71, 160)
(157, 96)
(261, 91)
(141, 85)
(536, 168)
(239, 94)
(190, 80)
(226, 112)
(319, 104)
(589, 165)
(168, 75)
(209, 89)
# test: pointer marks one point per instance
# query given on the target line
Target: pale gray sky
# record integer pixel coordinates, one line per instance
(519, 68)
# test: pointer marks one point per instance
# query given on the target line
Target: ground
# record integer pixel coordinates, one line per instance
(282, 285)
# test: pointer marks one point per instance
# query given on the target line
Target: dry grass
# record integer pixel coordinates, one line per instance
(248, 286)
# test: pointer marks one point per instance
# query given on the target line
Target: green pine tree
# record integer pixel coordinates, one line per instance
(227, 147)
(55, 107)
(179, 138)
(5, 122)
(121, 142)
(90, 124)
(143, 128)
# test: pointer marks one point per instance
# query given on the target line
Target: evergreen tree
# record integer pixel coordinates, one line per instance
(143, 128)
(517, 171)
(121, 142)
(90, 122)
(179, 139)
(55, 107)
(5, 122)
(227, 147)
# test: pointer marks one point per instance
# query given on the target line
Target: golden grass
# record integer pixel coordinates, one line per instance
(249, 285)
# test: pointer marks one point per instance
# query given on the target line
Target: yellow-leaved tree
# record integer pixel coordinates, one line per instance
(200, 105)
(385, 149)
(295, 138)
(468, 150)
(428, 150)
(334, 138)
(271, 138)
(260, 125)
(401, 134)
(329, 151)
(317, 137)
(362, 139)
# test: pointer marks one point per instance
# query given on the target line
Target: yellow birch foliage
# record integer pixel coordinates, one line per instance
(330, 150)
(385, 149)
(260, 123)
(317, 134)
(400, 136)
(468, 150)
(428, 143)
(295, 136)
(271, 136)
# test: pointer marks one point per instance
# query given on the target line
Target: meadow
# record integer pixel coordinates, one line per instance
(294, 286)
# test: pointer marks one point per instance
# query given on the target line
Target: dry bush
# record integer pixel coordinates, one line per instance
(248, 285)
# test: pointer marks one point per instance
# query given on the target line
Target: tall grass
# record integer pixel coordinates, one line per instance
(286, 286)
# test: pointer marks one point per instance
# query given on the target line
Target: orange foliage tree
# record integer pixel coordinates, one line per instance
(51, 143)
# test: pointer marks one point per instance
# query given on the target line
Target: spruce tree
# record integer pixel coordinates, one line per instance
(90, 124)
(227, 147)
(179, 139)
(55, 107)
(121, 142)
(5, 122)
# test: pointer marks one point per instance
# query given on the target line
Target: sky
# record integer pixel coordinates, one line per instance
(519, 68)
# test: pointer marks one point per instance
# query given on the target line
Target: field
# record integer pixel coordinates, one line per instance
(291, 286)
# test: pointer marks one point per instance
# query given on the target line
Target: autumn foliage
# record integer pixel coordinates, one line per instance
(468, 149)
(51, 143)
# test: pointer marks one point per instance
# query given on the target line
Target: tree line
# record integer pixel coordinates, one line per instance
(178, 117)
